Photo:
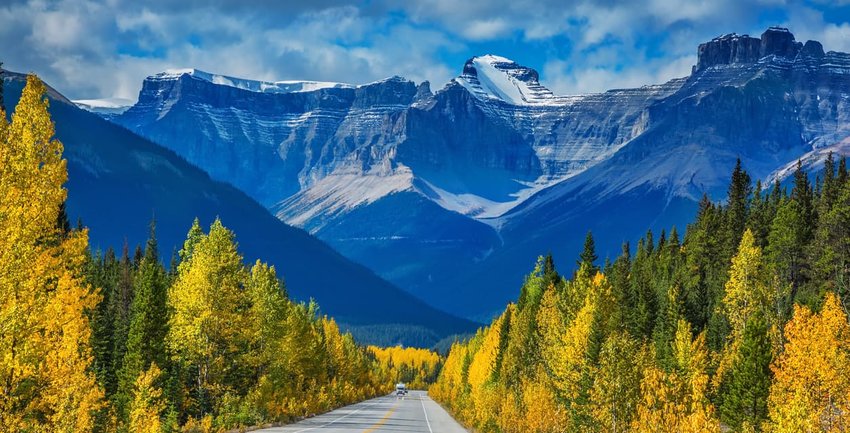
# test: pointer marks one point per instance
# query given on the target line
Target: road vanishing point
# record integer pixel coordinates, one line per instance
(415, 412)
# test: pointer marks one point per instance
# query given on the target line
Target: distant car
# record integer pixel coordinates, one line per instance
(400, 389)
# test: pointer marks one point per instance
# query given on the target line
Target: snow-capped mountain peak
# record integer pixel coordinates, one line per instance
(285, 86)
(494, 77)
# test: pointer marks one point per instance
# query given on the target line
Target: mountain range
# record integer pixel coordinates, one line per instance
(118, 182)
(453, 194)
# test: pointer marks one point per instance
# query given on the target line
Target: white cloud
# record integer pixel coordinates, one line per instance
(91, 50)
(105, 48)
(566, 79)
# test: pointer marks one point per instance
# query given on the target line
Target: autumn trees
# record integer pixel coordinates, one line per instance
(46, 380)
(741, 326)
(811, 389)
(93, 342)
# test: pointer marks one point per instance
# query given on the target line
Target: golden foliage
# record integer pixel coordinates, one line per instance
(811, 388)
(148, 404)
(413, 366)
(45, 352)
(677, 401)
(616, 385)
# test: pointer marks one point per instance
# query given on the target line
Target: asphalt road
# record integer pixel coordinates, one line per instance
(415, 412)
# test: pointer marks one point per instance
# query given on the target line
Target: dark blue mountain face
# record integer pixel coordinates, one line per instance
(453, 195)
(119, 181)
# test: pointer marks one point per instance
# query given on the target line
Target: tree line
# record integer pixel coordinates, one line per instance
(94, 342)
(739, 326)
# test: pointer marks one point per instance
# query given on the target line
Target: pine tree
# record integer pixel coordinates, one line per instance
(745, 391)
(802, 194)
(148, 318)
(120, 299)
(786, 249)
(588, 255)
(830, 250)
(737, 209)
(45, 352)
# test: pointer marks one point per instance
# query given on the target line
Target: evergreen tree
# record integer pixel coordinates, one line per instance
(831, 251)
(705, 271)
(642, 297)
(803, 195)
(550, 274)
(121, 299)
(148, 318)
(785, 249)
(745, 391)
(830, 191)
(737, 207)
(588, 255)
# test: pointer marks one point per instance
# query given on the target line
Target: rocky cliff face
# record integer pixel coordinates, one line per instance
(734, 49)
(494, 169)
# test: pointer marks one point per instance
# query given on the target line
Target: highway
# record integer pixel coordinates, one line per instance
(415, 412)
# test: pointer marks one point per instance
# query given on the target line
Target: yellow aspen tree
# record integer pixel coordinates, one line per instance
(570, 362)
(543, 413)
(148, 404)
(811, 388)
(45, 356)
(746, 294)
(208, 324)
(447, 388)
(616, 384)
(747, 290)
(481, 373)
(676, 401)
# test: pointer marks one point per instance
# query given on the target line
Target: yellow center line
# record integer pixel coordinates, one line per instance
(382, 421)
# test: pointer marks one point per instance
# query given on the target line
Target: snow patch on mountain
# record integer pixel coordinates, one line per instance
(500, 78)
(112, 106)
(339, 192)
(481, 208)
(810, 161)
(286, 86)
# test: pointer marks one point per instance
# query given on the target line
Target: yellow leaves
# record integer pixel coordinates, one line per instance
(44, 332)
(616, 384)
(208, 320)
(746, 289)
(147, 403)
(484, 363)
(543, 413)
(411, 365)
(811, 388)
(676, 401)
(450, 383)
(569, 344)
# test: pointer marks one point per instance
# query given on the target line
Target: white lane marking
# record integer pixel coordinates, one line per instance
(344, 416)
(422, 400)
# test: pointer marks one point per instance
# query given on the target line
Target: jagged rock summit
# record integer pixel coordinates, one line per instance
(743, 49)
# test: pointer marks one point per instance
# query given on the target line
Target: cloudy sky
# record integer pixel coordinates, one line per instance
(105, 48)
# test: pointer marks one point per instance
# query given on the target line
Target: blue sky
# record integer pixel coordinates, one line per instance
(105, 48)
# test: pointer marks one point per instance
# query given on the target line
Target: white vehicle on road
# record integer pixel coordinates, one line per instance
(400, 389)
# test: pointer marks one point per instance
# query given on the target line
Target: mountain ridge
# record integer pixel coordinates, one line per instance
(119, 181)
(460, 176)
